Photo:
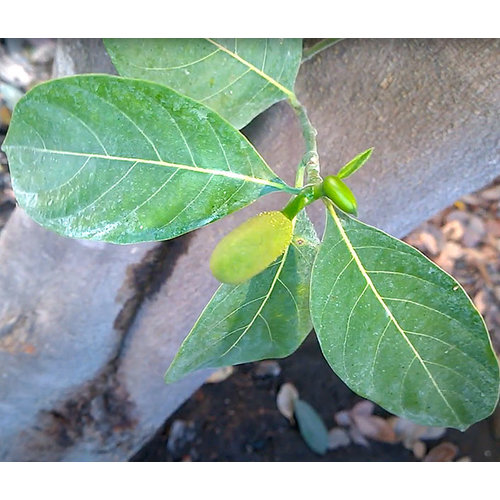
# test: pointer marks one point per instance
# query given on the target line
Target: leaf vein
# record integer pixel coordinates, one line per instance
(381, 300)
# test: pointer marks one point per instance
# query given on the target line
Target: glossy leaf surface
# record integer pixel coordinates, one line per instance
(265, 317)
(124, 160)
(238, 78)
(398, 330)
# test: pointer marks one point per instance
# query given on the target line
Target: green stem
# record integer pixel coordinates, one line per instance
(318, 47)
(299, 202)
(309, 165)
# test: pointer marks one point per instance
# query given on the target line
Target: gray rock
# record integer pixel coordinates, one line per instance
(105, 322)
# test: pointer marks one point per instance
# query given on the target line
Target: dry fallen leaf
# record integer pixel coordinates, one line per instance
(480, 301)
(474, 232)
(451, 252)
(419, 449)
(374, 427)
(4, 115)
(453, 230)
(406, 431)
(220, 375)
(444, 452)
(267, 368)
(337, 438)
(429, 243)
(491, 194)
(287, 394)
(364, 407)
(357, 437)
(409, 432)
(433, 433)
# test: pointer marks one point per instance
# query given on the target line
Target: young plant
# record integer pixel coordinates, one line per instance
(156, 152)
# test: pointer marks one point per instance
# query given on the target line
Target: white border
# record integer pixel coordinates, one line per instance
(254, 18)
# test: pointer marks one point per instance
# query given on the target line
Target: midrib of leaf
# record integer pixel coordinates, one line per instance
(223, 173)
(392, 319)
(266, 298)
(249, 65)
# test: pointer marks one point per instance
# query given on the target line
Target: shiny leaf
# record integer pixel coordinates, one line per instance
(238, 78)
(123, 160)
(398, 330)
(265, 317)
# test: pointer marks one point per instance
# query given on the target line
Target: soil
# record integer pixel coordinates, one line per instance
(237, 420)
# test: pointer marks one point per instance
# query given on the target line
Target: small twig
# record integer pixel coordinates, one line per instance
(318, 47)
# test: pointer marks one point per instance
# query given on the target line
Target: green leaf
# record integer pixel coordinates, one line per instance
(265, 317)
(125, 161)
(238, 78)
(311, 426)
(398, 330)
(355, 164)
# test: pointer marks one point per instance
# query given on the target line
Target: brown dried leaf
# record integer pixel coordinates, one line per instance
(337, 438)
(444, 452)
(406, 431)
(287, 394)
(480, 301)
(357, 437)
(419, 449)
(267, 368)
(493, 227)
(4, 115)
(363, 408)
(472, 199)
(453, 230)
(474, 232)
(458, 215)
(375, 428)
(429, 243)
(428, 238)
(220, 375)
(453, 250)
(450, 253)
(491, 194)
(433, 433)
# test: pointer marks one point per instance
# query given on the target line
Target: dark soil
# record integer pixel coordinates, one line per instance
(238, 420)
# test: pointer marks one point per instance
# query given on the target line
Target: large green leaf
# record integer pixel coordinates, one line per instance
(124, 160)
(238, 78)
(398, 330)
(265, 317)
